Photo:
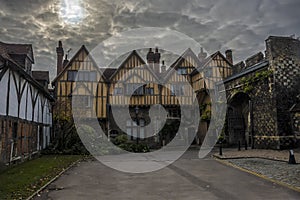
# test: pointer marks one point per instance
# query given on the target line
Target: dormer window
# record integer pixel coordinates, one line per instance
(182, 71)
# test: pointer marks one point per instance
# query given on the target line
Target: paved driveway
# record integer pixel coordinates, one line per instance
(187, 179)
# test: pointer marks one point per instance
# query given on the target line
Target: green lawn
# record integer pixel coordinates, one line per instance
(20, 181)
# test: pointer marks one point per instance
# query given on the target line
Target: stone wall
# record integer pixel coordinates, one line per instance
(283, 54)
(264, 116)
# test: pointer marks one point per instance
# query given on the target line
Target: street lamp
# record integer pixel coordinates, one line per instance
(136, 109)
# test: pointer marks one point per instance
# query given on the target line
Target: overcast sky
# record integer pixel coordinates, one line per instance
(215, 24)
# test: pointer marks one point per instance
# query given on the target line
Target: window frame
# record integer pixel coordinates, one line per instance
(74, 75)
(177, 90)
(135, 89)
(181, 72)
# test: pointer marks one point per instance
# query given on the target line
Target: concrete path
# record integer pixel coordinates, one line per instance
(187, 179)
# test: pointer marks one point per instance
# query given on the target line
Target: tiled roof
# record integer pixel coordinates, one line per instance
(19, 58)
(108, 72)
(247, 71)
(5, 55)
(19, 49)
(14, 65)
(41, 75)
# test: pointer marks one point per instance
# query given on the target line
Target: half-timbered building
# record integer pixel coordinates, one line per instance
(139, 84)
(25, 105)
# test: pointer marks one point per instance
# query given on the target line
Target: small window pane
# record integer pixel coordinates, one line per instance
(142, 133)
(71, 75)
(134, 132)
(182, 71)
(149, 91)
(118, 91)
(142, 122)
(93, 76)
(80, 76)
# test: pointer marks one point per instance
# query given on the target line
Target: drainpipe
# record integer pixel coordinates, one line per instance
(251, 124)
(11, 151)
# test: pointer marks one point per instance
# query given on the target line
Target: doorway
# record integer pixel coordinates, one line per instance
(238, 119)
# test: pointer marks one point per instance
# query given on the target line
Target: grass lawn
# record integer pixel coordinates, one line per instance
(21, 181)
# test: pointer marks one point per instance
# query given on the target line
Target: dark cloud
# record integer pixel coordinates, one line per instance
(215, 24)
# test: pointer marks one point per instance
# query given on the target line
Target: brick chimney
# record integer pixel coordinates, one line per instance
(163, 67)
(156, 61)
(156, 56)
(150, 59)
(60, 56)
(202, 55)
(150, 56)
(229, 57)
(66, 61)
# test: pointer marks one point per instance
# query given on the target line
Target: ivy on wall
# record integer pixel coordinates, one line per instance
(205, 111)
(248, 82)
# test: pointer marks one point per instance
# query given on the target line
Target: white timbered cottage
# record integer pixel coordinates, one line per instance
(25, 105)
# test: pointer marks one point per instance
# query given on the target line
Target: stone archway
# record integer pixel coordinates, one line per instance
(238, 119)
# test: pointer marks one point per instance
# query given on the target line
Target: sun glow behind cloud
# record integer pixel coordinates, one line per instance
(72, 11)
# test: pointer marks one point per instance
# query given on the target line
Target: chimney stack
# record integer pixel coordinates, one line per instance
(65, 61)
(229, 57)
(156, 61)
(202, 55)
(150, 56)
(156, 56)
(60, 56)
(163, 68)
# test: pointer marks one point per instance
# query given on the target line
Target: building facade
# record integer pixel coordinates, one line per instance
(25, 108)
(260, 92)
(146, 83)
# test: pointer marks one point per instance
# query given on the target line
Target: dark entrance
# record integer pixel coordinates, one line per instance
(239, 120)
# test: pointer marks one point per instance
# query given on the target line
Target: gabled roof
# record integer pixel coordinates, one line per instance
(186, 53)
(41, 75)
(207, 60)
(19, 49)
(134, 52)
(108, 72)
(4, 54)
(11, 64)
(180, 59)
(82, 48)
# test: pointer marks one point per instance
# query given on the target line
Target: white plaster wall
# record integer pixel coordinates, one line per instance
(46, 113)
(40, 119)
(23, 102)
(3, 94)
(36, 110)
(29, 105)
(46, 138)
(13, 99)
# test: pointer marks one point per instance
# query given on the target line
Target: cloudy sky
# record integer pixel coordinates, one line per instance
(215, 24)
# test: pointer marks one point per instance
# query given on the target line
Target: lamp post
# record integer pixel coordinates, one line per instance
(136, 109)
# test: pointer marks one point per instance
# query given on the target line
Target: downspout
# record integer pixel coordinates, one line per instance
(251, 123)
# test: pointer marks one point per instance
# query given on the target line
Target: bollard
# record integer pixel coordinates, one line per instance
(220, 150)
(292, 159)
(239, 145)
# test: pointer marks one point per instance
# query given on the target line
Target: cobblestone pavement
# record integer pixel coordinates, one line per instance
(269, 163)
(277, 170)
(282, 155)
